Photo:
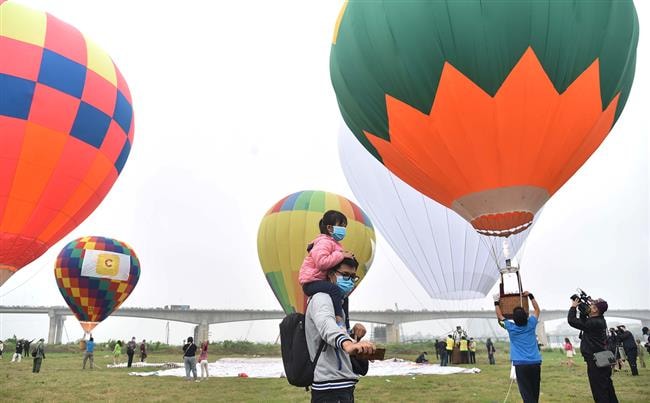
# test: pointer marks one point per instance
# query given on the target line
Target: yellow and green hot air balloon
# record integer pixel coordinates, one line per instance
(487, 107)
(291, 224)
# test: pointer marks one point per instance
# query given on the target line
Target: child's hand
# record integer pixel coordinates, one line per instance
(348, 254)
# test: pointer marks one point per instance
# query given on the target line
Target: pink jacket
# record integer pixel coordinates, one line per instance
(204, 352)
(325, 254)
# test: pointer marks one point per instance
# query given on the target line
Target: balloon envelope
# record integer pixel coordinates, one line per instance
(291, 224)
(66, 129)
(442, 250)
(96, 275)
(487, 107)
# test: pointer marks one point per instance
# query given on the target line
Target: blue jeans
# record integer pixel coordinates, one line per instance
(328, 288)
(190, 366)
(444, 358)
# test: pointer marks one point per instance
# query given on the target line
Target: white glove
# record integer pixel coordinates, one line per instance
(496, 297)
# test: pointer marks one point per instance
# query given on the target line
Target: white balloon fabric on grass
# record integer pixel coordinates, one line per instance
(272, 368)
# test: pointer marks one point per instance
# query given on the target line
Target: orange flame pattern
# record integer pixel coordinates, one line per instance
(528, 134)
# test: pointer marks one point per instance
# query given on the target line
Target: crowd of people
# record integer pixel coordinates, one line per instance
(23, 348)
(458, 341)
(328, 275)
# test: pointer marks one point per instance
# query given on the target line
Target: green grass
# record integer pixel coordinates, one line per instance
(61, 379)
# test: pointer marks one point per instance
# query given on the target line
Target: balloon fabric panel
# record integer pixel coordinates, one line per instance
(66, 125)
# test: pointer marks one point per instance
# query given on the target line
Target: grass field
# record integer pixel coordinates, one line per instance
(61, 379)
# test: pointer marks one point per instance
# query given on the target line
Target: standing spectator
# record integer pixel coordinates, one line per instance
(629, 346)
(612, 345)
(646, 338)
(464, 356)
(130, 351)
(641, 351)
(189, 357)
(89, 354)
(26, 345)
(490, 350)
(442, 351)
(593, 339)
(18, 355)
(203, 359)
(334, 377)
(117, 352)
(524, 352)
(568, 349)
(143, 350)
(435, 347)
(39, 355)
(472, 351)
(449, 349)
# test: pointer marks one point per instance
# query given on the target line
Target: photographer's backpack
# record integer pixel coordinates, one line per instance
(298, 366)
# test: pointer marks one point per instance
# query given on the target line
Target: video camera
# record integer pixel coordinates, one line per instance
(585, 301)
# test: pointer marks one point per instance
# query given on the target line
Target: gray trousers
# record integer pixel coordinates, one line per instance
(190, 365)
(37, 364)
(89, 356)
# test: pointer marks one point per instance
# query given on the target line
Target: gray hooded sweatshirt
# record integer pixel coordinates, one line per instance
(333, 369)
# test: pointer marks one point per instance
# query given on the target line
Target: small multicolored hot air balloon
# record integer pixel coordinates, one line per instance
(291, 224)
(95, 275)
(66, 129)
(487, 107)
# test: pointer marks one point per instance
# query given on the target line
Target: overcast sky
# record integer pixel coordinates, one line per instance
(233, 106)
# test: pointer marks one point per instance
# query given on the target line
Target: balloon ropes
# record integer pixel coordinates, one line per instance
(488, 108)
(442, 250)
(66, 129)
(291, 224)
(96, 275)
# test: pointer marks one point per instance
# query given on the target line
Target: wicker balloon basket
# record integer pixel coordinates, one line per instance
(509, 301)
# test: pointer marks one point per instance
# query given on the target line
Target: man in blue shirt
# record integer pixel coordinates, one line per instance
(524, 354)
(89, 353)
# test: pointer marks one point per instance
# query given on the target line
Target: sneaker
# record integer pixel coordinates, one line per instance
(197, 381)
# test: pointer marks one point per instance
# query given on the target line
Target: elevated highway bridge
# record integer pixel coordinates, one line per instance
(203, 318)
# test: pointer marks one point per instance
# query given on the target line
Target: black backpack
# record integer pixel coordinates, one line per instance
(295, 356)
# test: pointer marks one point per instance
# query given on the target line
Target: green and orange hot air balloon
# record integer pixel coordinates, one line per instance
(487, 107)
(66, 129)
(291, 224)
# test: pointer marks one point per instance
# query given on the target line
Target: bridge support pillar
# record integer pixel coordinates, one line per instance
(56, 328)
(59, 328)
(51, 335)
(392, 333)
(540, 331)
(201, 332)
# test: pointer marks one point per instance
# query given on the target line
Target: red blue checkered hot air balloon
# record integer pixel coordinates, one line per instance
(95, 275)
(66, 129)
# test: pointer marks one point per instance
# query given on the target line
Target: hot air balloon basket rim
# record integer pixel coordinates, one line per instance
(509, 302)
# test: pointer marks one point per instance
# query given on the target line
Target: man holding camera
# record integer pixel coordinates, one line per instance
(593, 339)
(524, 353)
